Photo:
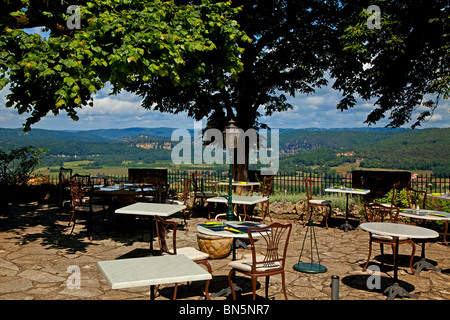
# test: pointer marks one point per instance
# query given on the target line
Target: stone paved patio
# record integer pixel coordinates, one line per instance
(37, 258)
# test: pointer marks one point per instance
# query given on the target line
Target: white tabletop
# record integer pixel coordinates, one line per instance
(398, 230)
(236, 183)
(348, 190)
(151, 209)
(136, 272)
(425, 214)
(228, 234)
(441, 196)
(238, 199)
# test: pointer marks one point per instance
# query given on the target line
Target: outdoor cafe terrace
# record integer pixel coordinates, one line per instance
(41, 259)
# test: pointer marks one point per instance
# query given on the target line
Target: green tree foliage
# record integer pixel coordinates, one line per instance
(401, 63)
(16, 167)
(119, 41)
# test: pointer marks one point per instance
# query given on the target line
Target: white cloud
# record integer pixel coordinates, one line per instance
(124, 110)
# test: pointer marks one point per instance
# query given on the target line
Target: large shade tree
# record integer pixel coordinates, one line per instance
(107, 41)
(185, 56)
(400, 58)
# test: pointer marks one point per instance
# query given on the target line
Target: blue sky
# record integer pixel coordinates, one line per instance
(317, 110)
(124, 110)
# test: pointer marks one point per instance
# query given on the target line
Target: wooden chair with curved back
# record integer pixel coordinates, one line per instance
(166, 246)
(268, 256)
(416, 198)
(265, 192)
(376, 212)
(83, 203)
(183, 199)
(200, 191)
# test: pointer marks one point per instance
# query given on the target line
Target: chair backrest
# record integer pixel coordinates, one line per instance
(83, 179)
(416, 197)
(187, 189)
(65, 175)
(77, 193)
(308, 186)
(376, 212)
(197, 182)
(267, 186)
(394, 193)
(162, 230)
(270, 248)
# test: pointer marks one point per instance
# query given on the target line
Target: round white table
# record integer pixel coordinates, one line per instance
(397, 230)
(425, 214)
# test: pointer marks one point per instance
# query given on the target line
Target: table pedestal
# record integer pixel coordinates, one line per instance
(346, 226)
(423, 264)
(395, 289)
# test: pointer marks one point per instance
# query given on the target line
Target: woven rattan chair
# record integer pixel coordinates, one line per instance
(268, 256)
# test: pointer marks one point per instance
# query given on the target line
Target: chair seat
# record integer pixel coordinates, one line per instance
(246, 264)
(95, 208)
(174, 201)
(387, 205)
(193, 253)
(144, 198)
(205, 194)
(320, 202)
(386, 238)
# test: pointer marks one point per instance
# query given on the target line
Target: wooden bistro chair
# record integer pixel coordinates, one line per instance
(395, 190)
(312, 203)
(268, 256)
(200, 192)
(183, 199)
(265, 192)
(65, 174)
(378, 213)
(83, 203)
(170, 247)
(416, 198)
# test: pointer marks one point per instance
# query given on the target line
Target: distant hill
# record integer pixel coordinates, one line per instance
(300, 149)
(425, 149)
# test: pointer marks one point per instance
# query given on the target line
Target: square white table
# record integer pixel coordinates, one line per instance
(238, 199)
(151, 209)
(151, 271)
(346, 226)
(398, 230)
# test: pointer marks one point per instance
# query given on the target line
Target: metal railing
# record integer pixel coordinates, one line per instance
(284, 182)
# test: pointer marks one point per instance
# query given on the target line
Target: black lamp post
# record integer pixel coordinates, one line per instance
(231, 135)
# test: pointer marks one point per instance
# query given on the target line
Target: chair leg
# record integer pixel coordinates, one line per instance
(309, 215)
(208, 266)
(413, 245)
(72, 217)
(283, 286)
(184, 217)
(230, 283)
(175, 291)
(368, 258)
(254, 283)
